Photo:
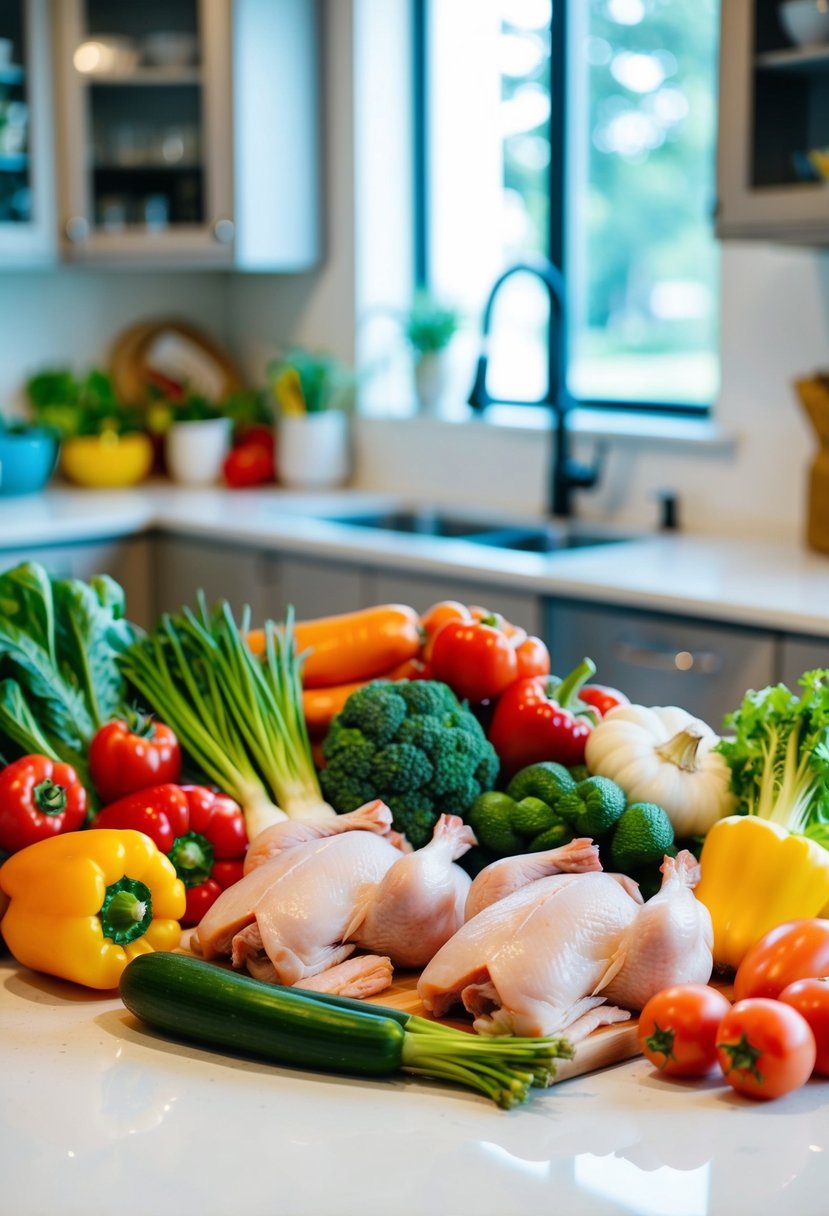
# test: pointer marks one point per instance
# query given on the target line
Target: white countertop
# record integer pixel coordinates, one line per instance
(100, 1116)
(769, 584)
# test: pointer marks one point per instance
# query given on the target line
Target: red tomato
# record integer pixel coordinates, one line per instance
(123, 761)
(532, 657)
(765, 1048)
(251, 464)
(477, 660)
(678, 1029)
(796, 950)
(39, 798)
(811, 1000)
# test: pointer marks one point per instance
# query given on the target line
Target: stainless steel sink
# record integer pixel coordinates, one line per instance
(550, 537)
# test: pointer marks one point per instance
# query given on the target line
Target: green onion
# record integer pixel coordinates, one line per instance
(239, 719)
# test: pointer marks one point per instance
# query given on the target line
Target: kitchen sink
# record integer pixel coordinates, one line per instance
(548, 537)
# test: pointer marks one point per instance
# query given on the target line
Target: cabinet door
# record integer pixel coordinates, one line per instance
(27, 220)
(145, 131)
(798, 654)
(314, 588)
(184, 566)
(773, 111)
(659, 660)
(127, 560)
(421, 591)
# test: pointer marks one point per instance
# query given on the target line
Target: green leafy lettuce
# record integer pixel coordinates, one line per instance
(59, 679)
(777, 747)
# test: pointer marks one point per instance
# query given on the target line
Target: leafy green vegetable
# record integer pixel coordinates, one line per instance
(779, 754)
(238, 718)
(73, 405)
(59, 679)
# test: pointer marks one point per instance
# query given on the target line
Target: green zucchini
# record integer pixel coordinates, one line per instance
(208, 1005)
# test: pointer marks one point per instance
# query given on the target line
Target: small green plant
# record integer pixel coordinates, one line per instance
(429, 325)
(79, 405)
(305, 382)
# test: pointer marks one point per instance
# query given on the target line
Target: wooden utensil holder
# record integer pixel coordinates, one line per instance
(814, 397)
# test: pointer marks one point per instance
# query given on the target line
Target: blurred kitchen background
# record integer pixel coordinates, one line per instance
(295, 174)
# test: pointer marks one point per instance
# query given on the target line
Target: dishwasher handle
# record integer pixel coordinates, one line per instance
(667, 658)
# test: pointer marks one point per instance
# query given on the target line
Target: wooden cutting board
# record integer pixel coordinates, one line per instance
(605, 1046)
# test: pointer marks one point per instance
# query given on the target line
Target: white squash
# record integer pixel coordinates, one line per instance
(664, 755)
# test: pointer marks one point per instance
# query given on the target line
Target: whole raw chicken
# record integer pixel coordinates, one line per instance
(566, 953)
(314, 893)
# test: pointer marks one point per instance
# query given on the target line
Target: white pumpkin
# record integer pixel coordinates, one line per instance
(664, 755)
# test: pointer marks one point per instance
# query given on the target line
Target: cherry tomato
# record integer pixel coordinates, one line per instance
(811, 999)
(123, 760)
(796, 950)
(39, 798)
(433, 620)
(678, 1029)
(532, 657)
(765, 1048)
(475, 658)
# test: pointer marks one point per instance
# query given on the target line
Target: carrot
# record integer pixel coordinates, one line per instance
(321, 704)
(352, 645)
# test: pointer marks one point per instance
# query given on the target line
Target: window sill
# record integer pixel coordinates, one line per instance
(615, 426)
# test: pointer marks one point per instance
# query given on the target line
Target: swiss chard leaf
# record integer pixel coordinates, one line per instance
(59, 644)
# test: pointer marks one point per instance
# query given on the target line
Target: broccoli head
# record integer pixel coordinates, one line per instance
(414, 745)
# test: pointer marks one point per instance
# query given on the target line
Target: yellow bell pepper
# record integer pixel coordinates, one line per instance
(84, 903)
(754, 876)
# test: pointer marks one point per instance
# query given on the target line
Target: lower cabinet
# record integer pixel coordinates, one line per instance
(799, 654)
(127, 559)
(314, 588)
(184, 566)
(659, 660)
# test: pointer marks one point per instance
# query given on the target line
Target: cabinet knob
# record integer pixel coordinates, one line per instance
(76, 228)
(223, 231)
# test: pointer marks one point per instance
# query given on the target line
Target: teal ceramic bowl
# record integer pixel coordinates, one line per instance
(27, 460)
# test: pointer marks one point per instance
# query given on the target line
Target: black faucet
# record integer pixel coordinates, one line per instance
(566, 474)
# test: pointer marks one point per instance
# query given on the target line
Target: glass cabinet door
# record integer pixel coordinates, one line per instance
(26, 217)
(146, 168)
(773, 171)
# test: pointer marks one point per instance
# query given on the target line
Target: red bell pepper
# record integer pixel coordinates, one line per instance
(200, 830)
(129, 756)
(543, 718)
(602, 698)
(39, 798)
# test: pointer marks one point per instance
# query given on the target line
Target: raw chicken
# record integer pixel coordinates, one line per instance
(312, 902)
(551, 956)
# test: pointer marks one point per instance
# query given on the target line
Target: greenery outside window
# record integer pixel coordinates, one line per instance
(583, 132)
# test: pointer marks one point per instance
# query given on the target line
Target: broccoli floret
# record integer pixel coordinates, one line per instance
(415, 746)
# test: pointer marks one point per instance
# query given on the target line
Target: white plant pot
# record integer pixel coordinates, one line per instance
(430, 376)
(313, 449)
(194, 451)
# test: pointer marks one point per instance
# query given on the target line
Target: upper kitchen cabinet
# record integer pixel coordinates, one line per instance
(773, 156)
(188, 132)
(27, 220)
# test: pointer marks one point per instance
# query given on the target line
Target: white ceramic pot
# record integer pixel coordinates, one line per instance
(194, 451)
(313, 450)
(430, 376)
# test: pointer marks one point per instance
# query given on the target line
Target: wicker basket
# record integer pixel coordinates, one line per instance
(814, 396)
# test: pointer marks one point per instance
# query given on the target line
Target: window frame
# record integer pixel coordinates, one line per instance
(557, 185)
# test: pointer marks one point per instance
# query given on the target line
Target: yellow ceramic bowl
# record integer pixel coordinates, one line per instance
(107, 461)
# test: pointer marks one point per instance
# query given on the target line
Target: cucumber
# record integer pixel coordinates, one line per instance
(206, 1004)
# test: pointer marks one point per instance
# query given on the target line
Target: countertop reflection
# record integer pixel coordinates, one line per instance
(99, 1114)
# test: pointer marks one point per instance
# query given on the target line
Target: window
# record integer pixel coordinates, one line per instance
(584, 132)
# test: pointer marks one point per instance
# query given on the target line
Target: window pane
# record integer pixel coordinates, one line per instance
(642, 264)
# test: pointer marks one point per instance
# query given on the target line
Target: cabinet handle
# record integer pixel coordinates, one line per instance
(223, 231)
(703, 662)
(76, 228)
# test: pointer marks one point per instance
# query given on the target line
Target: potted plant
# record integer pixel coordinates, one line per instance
(103, 442)
(313, 398)
(429, 327)
(196, 438)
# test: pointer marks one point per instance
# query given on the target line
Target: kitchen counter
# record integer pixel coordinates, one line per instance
(100, 1115)
(771, 585)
